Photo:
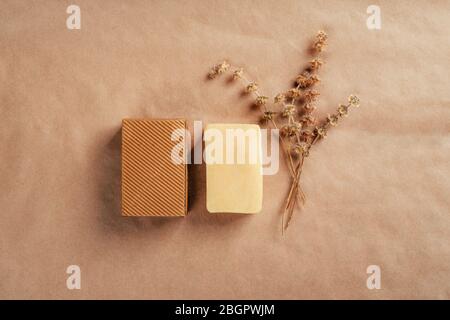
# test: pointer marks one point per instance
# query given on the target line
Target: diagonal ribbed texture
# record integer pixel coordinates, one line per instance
(152, 184)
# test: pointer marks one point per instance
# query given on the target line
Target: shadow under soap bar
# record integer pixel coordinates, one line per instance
(152, 183)
(234, 181)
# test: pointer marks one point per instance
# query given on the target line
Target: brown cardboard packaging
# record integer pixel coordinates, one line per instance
(153, 183)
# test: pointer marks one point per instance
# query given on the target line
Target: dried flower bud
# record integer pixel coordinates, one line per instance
(294, 93)
(314, 79)
(321, 132)
(332, 119)
(221, 68)
(288, 110)
(311, 95)
(309, 107)
(291, 129)
(300, 149)
(320, 42)
(261, 100)
(251, 87)
(308, 120)
(307, 79)
(303, 79)
(316, 63)
(353, 100)
(279, 98)
(343, 110)
(212, 73)
(268, 115)
(237, 74)
(294, 128)
(321, 36)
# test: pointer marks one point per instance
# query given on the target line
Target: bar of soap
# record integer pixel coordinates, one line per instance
(152, 183)
(234, 181)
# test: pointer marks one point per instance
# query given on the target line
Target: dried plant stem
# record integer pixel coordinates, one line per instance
(295, 189)
(286, 151)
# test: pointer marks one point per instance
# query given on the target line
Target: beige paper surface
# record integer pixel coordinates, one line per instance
(377, 188)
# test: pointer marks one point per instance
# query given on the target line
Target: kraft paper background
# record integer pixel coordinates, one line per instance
(377, 188)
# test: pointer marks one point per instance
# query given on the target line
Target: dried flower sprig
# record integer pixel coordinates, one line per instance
(316, 64)
(299, 129)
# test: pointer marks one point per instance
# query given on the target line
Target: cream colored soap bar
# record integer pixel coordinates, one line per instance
(234, 181)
